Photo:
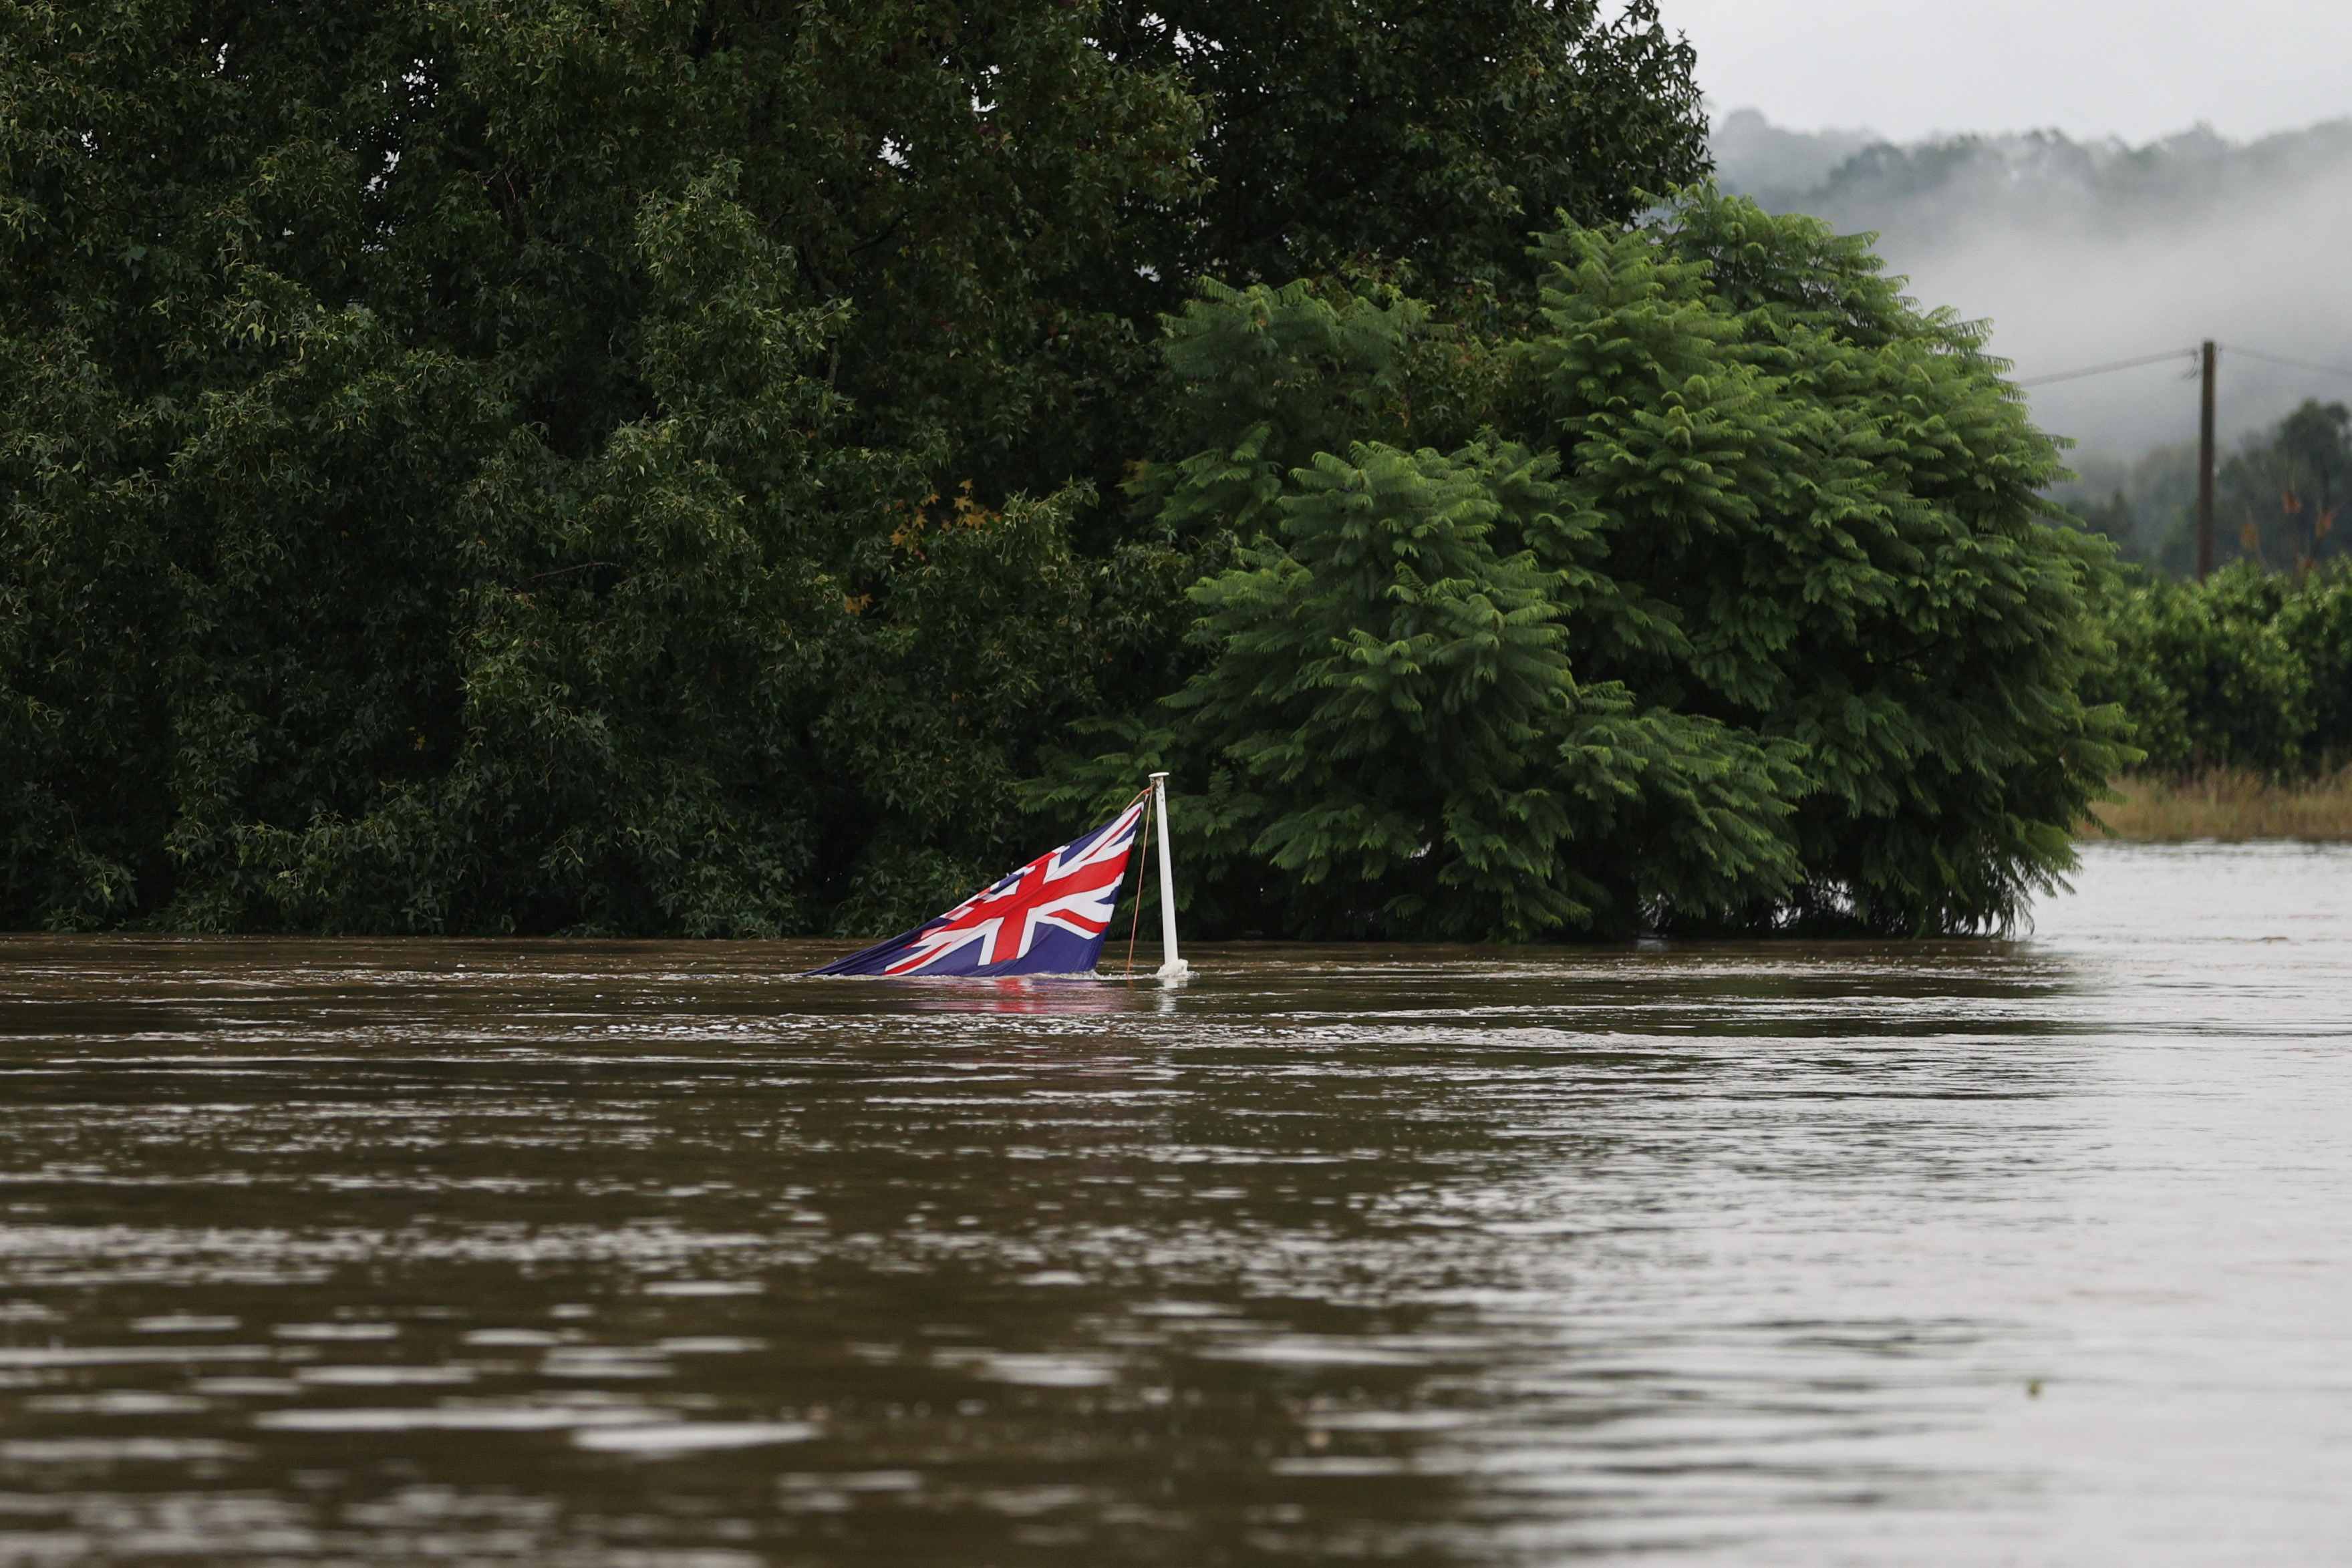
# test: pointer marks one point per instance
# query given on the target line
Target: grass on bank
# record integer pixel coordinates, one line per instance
(2230, 804)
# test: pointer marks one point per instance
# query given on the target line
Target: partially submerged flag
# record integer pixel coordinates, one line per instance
(1047, 918)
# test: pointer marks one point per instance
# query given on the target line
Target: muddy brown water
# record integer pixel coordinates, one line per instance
(646, 1256)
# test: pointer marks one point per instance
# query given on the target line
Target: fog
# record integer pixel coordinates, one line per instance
(2084, 253)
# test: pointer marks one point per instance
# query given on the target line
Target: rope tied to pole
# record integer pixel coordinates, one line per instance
(1135, 914)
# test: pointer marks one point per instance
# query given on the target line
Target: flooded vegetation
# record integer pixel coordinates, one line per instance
(623, 1254)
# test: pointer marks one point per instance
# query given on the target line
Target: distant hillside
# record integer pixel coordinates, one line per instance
(2084, 253)
(1757, 158)
(1945, 188)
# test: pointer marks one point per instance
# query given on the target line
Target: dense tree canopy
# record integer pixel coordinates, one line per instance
(1734, 607)
(474, 465)
(1355, 133)
(470, 465)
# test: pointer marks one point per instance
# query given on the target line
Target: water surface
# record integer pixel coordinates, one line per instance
(645, 1256)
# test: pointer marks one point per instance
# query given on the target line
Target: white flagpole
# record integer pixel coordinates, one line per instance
(1172, 968)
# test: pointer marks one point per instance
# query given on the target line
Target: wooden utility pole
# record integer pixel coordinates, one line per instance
(2205, 469)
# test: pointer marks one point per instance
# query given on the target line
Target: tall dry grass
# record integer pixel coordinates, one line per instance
(2230, 804)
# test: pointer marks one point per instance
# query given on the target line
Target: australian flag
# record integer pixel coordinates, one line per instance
(1047, 918)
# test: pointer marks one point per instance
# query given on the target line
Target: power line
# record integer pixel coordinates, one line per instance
(2103, 370)
(2184, 354)
(2207, 355)
(2282, 360)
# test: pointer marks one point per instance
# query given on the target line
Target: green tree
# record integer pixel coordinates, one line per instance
(1354, 133)
(1747, 614)
(431, 500)
(472, 465)
(2279, 500)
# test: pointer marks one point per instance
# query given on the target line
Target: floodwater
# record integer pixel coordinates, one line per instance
(646, 1256)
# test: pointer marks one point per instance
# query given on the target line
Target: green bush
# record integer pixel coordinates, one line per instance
(2247, 669)
(2207, 673)
(2315, 624)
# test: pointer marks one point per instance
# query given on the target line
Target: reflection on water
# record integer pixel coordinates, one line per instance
(620, 1254)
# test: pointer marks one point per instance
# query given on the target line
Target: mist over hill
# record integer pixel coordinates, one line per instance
(2084, 253)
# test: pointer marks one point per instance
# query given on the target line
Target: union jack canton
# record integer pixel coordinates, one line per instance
(1047, 918)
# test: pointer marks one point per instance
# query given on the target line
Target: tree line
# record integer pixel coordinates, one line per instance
(2276, 499)
(2248, 669)
(754, 468)
(2252, 667)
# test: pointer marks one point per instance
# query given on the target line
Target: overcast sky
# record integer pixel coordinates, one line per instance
(2135, 69)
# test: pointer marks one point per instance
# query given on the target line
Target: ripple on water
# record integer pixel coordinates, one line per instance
(606, 1254)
